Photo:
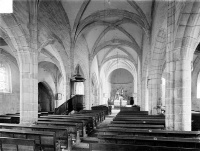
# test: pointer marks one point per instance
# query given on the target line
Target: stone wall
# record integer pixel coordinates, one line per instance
(10, 102)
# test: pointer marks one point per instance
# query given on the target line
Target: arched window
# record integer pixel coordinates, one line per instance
(198, 86)
(163, 91)
(5, 78)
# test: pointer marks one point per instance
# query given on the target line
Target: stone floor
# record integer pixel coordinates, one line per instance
(84, 145)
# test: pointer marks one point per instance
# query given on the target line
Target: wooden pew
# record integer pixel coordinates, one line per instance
(195, 121)
(150, 132)
(102, 108)
(151, 141)
(130, 147)
(94, 117)
(134, 112)
(72, 128)
(87, 119)
(17, 144)
(82, 122)
(101, 114)
(137, 119)
(5, 119)
(43, 140)
(14, 118)
(142, 116)
(139, 122)
(140, 126)
(60, 132)
(130, 108)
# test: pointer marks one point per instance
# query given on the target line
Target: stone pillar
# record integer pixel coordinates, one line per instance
(144, 95)
(29, 69)
(182, 102)
(169, 95)
(154, 95)
(139, 75)
(28, 88)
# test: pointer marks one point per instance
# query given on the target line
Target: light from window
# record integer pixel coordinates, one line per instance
(198, 86)
(3, 80)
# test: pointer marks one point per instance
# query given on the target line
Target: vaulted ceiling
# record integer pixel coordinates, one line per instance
(113, 29)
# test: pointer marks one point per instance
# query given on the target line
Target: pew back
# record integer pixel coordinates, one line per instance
(17, 144)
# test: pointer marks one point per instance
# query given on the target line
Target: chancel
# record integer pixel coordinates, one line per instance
(109, 75)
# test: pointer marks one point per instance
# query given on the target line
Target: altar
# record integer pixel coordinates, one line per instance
(119, 100)
(120, 103)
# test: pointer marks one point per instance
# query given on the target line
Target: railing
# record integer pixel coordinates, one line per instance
(75, 103)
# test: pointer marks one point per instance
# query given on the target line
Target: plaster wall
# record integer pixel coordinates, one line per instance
(10, 102)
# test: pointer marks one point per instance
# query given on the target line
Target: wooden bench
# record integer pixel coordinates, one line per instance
(140, 126)
(146, 116)
(101, 114)
(72, 128)
(195, 121)
(17, 144)
(94, 118)
(130, 108)
(136, 119)
(102, 108)
(150, 132)
(82, 122)
(60, 132)
(43, 140)
(134, 112)
(130, 147)
(14, 118)
(89, 120)
(5, 119)
(139, 122)
(151, 141)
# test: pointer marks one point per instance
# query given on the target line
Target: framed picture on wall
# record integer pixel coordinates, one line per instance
(59, 96)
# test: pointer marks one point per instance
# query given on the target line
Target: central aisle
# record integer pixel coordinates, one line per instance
(92, 138)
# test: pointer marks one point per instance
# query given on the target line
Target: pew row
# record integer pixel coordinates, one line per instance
(129, 147)
(43, 140)
(81, 123)
(136, 126)
(61, 133)
(150, 132)
(17, 144)
(88, 120)
(72, 128)
(151, 141)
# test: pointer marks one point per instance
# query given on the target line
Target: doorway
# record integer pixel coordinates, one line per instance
(45, 98)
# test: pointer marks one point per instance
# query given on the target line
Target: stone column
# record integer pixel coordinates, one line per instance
(182, 102)
(154, 94)
(169, 95)
(29, 69)
(144, 94)
(28, 88)
(139, 75)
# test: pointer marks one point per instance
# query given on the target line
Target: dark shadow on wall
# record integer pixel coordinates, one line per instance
(45, 98)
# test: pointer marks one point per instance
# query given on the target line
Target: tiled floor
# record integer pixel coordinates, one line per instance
(84, 145)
